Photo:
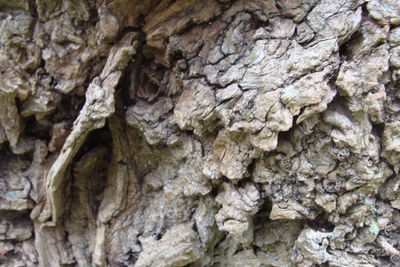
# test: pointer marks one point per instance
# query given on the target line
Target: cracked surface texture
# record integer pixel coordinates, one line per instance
(200, 133)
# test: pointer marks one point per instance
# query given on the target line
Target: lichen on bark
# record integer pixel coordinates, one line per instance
(199, 133)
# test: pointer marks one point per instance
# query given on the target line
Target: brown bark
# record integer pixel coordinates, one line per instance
(199, 133)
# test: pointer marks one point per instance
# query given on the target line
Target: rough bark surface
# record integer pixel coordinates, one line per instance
(199, 133)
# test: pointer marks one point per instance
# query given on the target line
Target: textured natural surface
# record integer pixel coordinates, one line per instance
(199, 133)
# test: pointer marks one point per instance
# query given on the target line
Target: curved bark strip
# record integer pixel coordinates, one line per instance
(199, 133)
(98, 107)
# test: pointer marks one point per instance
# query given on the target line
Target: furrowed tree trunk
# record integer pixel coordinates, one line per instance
(199, 133)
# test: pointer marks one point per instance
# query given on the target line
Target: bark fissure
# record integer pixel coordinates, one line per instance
(199, 133)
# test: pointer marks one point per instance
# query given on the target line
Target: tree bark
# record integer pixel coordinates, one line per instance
(199, 133)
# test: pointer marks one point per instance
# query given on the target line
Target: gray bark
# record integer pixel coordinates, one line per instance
(199, 133)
